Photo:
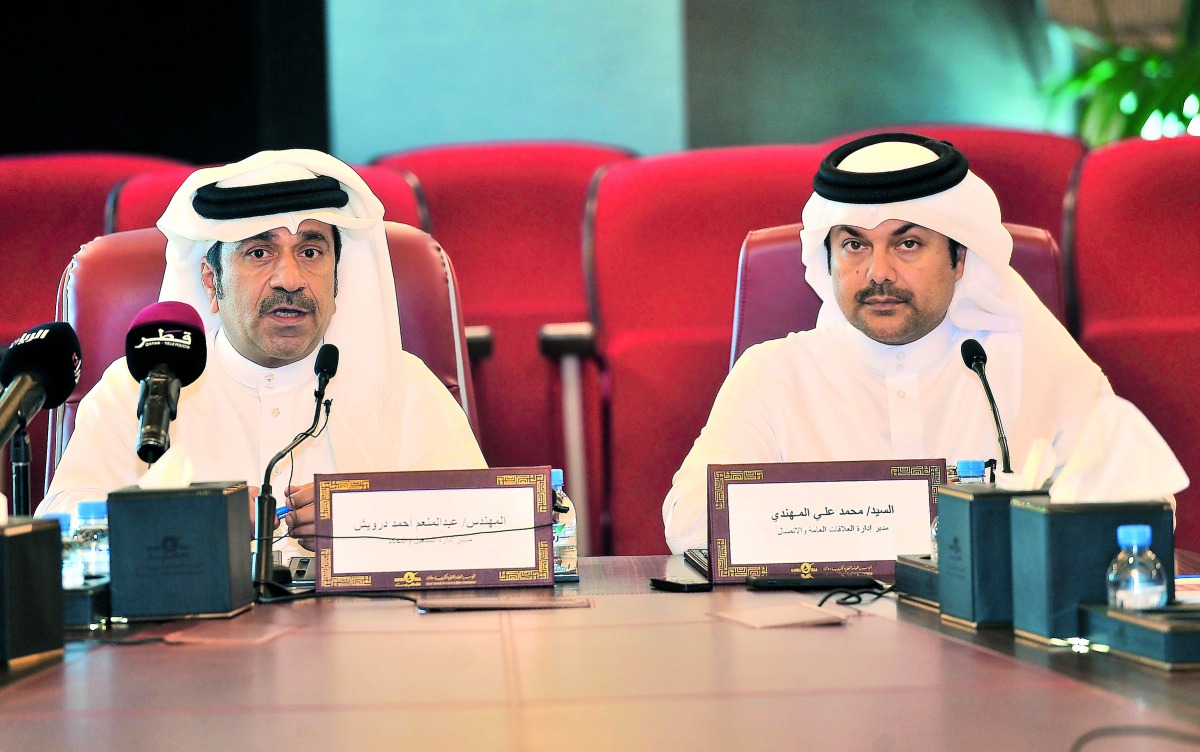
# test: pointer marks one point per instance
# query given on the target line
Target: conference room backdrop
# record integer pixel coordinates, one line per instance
(215, 81)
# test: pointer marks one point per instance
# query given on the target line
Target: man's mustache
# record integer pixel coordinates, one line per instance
(284, 299)
(876, 290)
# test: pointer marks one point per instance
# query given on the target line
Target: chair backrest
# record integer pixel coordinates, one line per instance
(1132, 239)
(773, 299)
(660, 247)
(112, 278)
(511, 213)
(141, 199)
(1030, 171)
(51, 205)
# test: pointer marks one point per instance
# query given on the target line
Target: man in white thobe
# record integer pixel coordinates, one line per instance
(279, 253)
(905, 247)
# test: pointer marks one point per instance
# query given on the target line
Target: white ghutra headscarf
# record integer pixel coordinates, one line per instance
(366, 325)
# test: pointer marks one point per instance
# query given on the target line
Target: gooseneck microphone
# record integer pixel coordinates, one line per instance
(165, 350)
(39, 370)
(975, 358)
(264, 521)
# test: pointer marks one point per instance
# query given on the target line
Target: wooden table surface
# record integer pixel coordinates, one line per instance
(638, 669)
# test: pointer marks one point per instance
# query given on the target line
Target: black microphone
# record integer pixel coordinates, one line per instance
(165, 350)
(39, 370)
(975, 358)
(326, 368)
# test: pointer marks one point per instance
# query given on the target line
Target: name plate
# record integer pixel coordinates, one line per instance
(434, 529)
(819, 519)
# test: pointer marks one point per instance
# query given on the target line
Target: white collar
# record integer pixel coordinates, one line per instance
(897, 360)
(251, 375)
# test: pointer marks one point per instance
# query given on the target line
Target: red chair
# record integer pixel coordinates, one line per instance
(661, 264)
(773, 299)
(511, 213)
(1030, 171)
(115, 276)
(140, 200)
(1133, 231)
(50, 204)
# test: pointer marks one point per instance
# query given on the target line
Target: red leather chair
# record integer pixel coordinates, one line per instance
(660, 259)
(511, 213)
(1133, 232)
(141, 199)
(773, 299)
(115, 276)
(50, 205)
(1030, 171)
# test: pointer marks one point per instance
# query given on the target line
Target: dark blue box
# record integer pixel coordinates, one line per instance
(31, 603)
(1060, 558)
(917, 581)
(180, 552)
(1165, 639)
(975, 553)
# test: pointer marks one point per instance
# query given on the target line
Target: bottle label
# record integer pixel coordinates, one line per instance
(1141, 598)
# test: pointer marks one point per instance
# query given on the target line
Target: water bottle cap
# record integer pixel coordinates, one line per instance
(92, 510)
(970, 468)
(64, 520)
(556, 479)
(1129, 536)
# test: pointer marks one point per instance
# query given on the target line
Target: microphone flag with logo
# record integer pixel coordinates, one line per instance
(165, 350)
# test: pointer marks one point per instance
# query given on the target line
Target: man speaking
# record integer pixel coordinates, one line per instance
(279, 253)
(905, 247)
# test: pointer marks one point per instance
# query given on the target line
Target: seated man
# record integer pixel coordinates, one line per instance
(274, 274)
(905, 247)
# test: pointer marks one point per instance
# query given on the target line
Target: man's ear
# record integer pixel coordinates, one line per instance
(212, 285)
(961, 266)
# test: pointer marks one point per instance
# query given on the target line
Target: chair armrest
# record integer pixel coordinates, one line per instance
(572, 338)
(479, 342)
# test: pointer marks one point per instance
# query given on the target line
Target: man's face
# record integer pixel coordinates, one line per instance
(893, 282)
(275, 296)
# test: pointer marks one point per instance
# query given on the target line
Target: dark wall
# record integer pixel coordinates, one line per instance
(803, 70)
(203, 82)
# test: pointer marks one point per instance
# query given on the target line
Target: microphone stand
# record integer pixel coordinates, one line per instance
(977, 367)
(264, 529)
(21, 455)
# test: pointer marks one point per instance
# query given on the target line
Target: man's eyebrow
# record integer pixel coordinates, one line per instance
(902, 229)
(313, 235)
(268, 235)
(851, 231)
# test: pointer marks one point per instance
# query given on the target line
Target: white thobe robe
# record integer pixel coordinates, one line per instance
(237, 415)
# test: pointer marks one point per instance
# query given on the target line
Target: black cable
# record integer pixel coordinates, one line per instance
(853, 597)
(435, 537)
(1146, 731)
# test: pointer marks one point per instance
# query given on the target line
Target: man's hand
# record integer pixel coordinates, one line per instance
(300, 517)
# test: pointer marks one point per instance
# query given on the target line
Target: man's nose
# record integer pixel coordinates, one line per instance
(286, 273)
(883, 268)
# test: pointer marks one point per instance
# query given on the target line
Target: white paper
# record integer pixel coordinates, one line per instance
(856, 520)
(433, 529)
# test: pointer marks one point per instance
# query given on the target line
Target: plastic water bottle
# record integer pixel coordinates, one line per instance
(1136, 579)
(566, 558)
(92, 536)
(72, 564)
(933, 546)
(971, 471)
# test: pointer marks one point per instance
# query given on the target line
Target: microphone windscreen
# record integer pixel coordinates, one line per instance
(972, 353)
(167, 333)
(327, 360)
(50, 353)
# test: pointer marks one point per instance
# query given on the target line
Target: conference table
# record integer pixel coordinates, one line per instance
(627, 668)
